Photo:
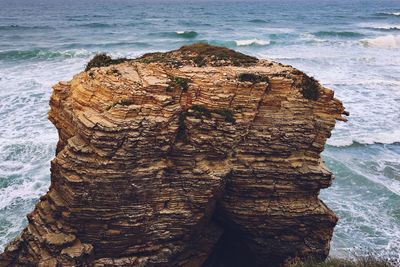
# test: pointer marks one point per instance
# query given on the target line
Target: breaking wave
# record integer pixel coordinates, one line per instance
(387, 41)
(186, 34)
(383, 27)
(176, 34)
(252, 42)
(388, 14)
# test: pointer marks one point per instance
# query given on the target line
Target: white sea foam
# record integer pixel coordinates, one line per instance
(250, 42)
(379, 26)
(360, 178)
(373, 137)
(27, 138)
(385, 27)
(392, 13)
(387, 41)
(364, 78)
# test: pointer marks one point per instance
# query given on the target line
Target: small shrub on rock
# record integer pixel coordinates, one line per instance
(103, 60)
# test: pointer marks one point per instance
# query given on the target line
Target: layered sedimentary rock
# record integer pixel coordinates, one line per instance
(197, 157)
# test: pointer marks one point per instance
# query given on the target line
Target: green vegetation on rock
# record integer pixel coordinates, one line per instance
(310, 88)
(103, 60)
(178, 83)
(251, 77)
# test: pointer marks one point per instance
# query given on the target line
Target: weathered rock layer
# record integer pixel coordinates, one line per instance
(197, 157)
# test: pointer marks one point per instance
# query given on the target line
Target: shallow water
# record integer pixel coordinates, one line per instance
(352, 47)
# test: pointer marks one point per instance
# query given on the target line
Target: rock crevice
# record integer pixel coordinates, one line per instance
(200, 156)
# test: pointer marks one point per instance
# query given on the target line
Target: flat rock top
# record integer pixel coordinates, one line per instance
(198, 74)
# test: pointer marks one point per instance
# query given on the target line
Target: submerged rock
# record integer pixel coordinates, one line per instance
(196, 157)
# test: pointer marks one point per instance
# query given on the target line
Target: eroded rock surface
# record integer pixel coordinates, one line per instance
(197, 157)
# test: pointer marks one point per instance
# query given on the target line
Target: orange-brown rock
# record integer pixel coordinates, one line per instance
(197, 157)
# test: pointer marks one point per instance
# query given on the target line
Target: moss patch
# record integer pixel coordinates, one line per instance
(163, 58)
(199, 61)
(122, 102)
(153, 57)
(103, 60)
(203, 51)
(181, 132)
(201, 111)
(226, 113)
(178, 83)
(251, 77)
(199, 54)
(310, 88)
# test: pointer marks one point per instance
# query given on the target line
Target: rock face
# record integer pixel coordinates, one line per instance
(197, 157)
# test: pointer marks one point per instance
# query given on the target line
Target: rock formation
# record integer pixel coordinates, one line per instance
(200, 156)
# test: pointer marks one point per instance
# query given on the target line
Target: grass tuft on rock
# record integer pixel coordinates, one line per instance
(203, 51)
(178, 83)
(310, 88)
(103, 60)
(251, 77)
(201, 110)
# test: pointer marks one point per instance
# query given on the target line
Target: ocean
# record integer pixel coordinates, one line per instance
(350, 46)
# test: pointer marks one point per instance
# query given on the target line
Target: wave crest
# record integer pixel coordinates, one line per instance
(344, 34)
(382, 27)
(252, 42)
(387, 138)
(96, 25)
(388, 14)
(387, 41)
(15, 27)
(258, 21)
(42, 54)
(186, 34)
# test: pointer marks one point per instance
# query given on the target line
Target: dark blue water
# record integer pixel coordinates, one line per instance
(351, 46)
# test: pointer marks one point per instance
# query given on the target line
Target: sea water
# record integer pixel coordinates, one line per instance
(350, 46)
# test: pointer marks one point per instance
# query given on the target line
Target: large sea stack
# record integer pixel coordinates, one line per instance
(201, 156)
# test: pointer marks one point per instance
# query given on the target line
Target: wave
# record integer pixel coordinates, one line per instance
(259, 21)
(387, 41)
(382, 27)
(103, 45)
(388, 14)
(177, 34)
(41, 53)
(15, 27)
(96, 25)
(252, 42)
(354, 144)
(344, 34)
(386, 138)
(186, 34)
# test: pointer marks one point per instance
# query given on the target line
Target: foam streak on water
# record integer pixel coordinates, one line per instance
(352, 47)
